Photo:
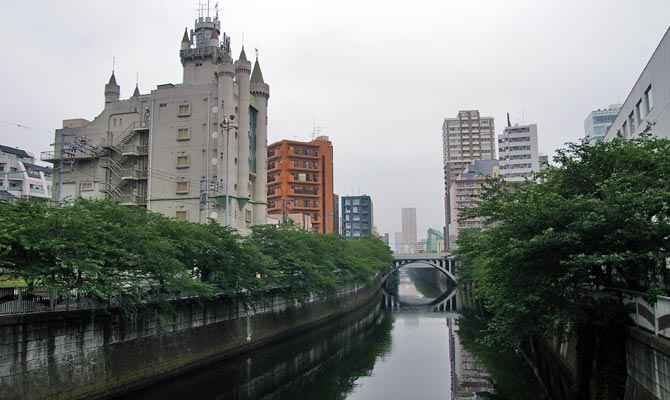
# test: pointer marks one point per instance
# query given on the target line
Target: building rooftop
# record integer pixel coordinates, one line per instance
(15, 151)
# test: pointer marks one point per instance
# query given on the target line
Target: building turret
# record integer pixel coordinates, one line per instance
(242, 72)
(112, 90)
(185, 42)
(261, 92)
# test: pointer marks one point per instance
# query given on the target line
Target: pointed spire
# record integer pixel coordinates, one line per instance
(227, 58)
(257, 75)
(185, 38)
(215, 35)
(243, 55)
(112, 79)
(136, 93)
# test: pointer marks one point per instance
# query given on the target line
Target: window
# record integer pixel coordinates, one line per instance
(181, 215)
(162, 105)
(183, 110)
(182, 187)
(182, 162)
(86, 186)
(649, 99)
(625, 129)
(631, 122)
(247, 215)
(639, 111)
(183, 134)
(305, 203)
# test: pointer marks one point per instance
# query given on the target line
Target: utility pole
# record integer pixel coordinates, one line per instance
(227, 124)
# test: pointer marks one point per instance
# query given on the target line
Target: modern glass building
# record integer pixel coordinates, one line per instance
(357, 216)
(598, 121)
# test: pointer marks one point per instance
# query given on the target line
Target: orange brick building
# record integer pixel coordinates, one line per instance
(300, 180)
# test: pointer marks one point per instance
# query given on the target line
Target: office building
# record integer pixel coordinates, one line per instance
(598, 122)
(647, 103)
(21, 178)
(397, 244)
(192, 151)
(409, 240)
(518, 152)
(466, 138)
(357, 216)
(464, 194)
(300, 180)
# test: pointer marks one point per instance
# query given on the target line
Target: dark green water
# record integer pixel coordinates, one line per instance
(398, 348)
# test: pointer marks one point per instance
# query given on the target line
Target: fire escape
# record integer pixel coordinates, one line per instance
(126, 162)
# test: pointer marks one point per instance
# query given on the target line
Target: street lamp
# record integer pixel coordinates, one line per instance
(227, 125)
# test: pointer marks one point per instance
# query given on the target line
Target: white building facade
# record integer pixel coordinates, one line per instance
(21, 178)
(192, 151)
(518, 152)
(648, 101)
(598, 122)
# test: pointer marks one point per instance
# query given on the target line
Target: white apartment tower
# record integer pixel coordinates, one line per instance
(192, 151)
(466, 138)
(518, 152)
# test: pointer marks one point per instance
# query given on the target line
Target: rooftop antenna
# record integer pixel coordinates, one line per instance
(216, 7)
(207, 8)
(113, 63)
(137, 78)
(256, 50)
(242, 39)
(509, 124)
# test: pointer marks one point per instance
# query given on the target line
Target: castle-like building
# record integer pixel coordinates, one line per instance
(192, 151)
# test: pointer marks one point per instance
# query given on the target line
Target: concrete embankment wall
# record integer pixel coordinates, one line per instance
(75, 354)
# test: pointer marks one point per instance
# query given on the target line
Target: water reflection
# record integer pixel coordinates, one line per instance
(407, 346)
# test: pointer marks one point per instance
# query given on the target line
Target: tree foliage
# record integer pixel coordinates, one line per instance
(600, 219)
(123, 254)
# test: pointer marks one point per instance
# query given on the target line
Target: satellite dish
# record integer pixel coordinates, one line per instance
(214, 161)
(215, 135)
(213, 215)
(215, 109)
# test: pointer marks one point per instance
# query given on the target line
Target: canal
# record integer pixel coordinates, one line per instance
(406, 346)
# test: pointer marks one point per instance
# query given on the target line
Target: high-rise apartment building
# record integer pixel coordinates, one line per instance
(466, 138)
(20, 178)
(598, 122)
(300, 180)
(409, 240)
(192, 151)
(465, 191)
(397, 244)
(357, 216)
(518, 152)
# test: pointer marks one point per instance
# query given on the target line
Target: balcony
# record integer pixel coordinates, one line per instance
(133, 200)
(133, 174)
(39, 192)
(134, 150)
(15, 176)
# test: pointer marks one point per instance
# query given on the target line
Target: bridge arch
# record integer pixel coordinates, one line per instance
(439, 261)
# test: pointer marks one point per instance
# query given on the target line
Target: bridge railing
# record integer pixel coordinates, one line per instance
(652, 317)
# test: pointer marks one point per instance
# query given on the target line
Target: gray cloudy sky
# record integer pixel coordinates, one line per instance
(378, 76)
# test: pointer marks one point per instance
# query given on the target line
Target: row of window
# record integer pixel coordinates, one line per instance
(516, 166)
(305, 151)
(642, 108)
(305, 164)
(513, 148)
(303, 177)
(514, 139)
(516, 157)
(294, 203)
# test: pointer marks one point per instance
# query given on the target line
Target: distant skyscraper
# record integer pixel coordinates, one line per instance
(598, 122)
(357, 216)
(408, 230)
(466, 138)
(518, 153)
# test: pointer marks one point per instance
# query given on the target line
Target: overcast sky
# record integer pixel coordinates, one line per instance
(378, 76)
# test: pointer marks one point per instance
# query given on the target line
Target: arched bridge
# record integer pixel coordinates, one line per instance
(440, 261)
